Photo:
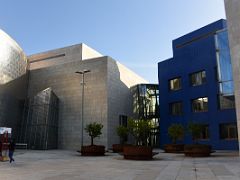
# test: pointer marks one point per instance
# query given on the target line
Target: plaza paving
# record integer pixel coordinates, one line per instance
(60, 164)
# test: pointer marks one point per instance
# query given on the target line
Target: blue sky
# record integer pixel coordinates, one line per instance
(138, 33)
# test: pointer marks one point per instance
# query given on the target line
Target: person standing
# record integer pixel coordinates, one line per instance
(11, 148)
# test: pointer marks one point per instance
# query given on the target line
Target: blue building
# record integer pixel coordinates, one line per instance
(196, 85)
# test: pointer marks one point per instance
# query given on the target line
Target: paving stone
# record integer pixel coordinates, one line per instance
(69, 165)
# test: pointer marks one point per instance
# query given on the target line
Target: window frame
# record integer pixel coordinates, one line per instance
(195, 73)
(229, 126)
(220, 107)
(169, 84)
(207, 132)
(192, 101)
(170, 108)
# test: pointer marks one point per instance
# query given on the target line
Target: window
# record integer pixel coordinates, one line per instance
(198, 78)
(205, 132)
(123, 120)
(226, 102)
(175, 84)
(200, 104)
(176, 108)
(228, 131)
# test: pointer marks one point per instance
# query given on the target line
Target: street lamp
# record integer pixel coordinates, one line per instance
(83, 73)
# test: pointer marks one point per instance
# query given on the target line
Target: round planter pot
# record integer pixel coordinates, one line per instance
(117, 148)
(174, 148)
(197, 150)
(137, 152)
(93, 150)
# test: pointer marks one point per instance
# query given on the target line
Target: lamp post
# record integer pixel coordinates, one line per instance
(82, 73)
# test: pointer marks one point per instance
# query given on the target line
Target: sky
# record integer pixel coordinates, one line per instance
(137, 33)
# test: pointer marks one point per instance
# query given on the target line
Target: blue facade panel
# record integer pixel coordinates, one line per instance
(194, 52)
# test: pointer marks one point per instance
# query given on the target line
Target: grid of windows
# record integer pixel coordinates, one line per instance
(200, 104)
(175, 84)
(228, 131)
(176, 108)
(198, 78)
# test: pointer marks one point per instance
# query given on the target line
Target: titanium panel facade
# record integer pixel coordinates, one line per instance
(106, 96)
(13, 78)
(13, 62)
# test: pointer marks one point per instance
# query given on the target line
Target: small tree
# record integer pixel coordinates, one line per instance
(122, 132)
(195, 130)
(140, 130)
(176, 132)
(94, 130)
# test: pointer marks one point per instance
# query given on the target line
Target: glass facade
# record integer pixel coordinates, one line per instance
(40, 124)
(224, 68)
(146, 106)
(13, 62)
(145, 101)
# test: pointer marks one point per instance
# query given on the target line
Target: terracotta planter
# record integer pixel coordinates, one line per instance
(117, 148)
(93, 150)
(137, 152)
(197, 150)
(174, 148)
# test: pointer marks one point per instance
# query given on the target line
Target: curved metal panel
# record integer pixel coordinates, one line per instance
(13, 62)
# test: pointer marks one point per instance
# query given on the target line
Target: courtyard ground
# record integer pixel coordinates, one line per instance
(64, 165)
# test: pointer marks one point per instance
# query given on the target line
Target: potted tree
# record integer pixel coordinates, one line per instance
(140, 130)
(196, 149)
(175, 132)
(94, 130)
(122, 132)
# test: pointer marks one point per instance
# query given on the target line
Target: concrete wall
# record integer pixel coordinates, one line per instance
(233, 16)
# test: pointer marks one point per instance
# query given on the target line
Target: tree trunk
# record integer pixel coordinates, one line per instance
(91, 141)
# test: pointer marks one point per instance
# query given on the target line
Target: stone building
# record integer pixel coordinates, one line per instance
(107, 96)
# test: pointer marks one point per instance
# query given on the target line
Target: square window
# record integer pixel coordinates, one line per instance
(228, 131)
(198, 78)
(176, 108)
(175, 84)
(200, 104)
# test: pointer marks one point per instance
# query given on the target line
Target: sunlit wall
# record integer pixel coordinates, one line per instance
(13, 62)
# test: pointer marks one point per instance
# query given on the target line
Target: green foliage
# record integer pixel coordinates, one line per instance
(195, 130)
(176, 132)
(122, 132)
(140, 130)
(94, 130)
